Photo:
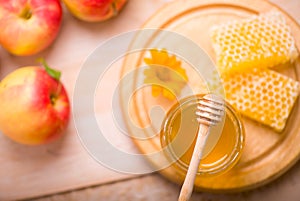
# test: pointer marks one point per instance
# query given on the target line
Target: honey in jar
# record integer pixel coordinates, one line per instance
(223, 147)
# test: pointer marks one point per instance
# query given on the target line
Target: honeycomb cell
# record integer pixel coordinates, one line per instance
(263, 95)
(253, 42)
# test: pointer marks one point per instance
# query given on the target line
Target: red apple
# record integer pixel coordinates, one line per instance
(29, 26)
(94, 10)
(34, 106)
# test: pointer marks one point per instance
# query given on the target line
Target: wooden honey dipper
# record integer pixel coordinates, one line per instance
(210, 112)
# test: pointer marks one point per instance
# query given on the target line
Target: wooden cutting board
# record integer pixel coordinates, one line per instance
(267, 154)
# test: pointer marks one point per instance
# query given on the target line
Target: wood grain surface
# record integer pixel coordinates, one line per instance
(65, 165)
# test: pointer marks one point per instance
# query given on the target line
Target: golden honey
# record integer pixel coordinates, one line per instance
(223, 146)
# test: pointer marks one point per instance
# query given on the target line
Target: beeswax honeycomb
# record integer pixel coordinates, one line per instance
(261, 41)
(265, 96)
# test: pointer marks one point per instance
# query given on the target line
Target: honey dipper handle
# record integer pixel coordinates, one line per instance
(188, 184)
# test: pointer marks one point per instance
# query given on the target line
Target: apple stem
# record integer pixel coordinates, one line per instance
(52, 72)
(26, 13)
(114, 7)
(53, 99)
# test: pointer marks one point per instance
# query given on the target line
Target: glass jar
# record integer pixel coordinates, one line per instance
(178, 135)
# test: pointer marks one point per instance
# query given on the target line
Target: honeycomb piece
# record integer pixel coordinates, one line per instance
(260, 41)
(265, 96)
